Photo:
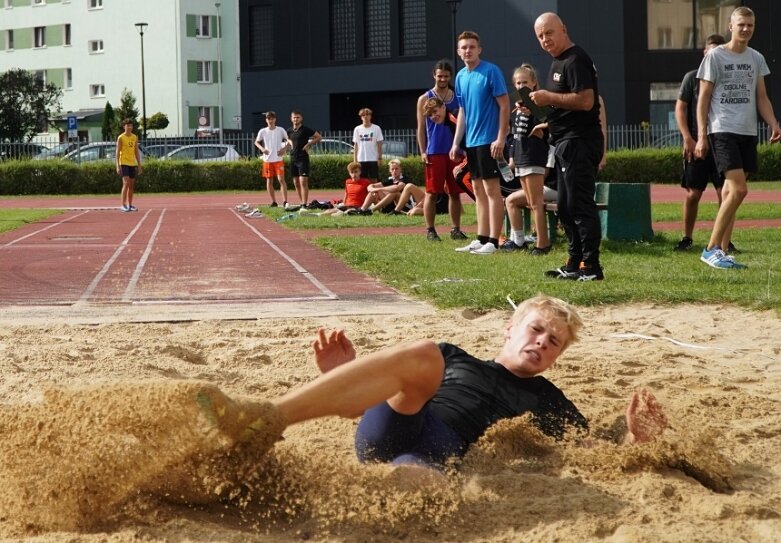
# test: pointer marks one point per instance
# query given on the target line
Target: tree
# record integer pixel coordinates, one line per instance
(110, 128)
(127, 108)
(26, 104)
(158, 121)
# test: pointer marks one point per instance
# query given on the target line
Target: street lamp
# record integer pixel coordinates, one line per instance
(141, 27)
(454, 5)
(219, 70)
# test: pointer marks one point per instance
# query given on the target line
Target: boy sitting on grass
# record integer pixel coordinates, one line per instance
(356, 188)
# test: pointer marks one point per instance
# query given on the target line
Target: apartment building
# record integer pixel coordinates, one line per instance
(92, 50)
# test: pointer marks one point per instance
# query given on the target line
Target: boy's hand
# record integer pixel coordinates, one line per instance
(332, 349)
(645, 418)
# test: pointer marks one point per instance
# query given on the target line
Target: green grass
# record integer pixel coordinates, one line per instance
(11, 219)
(635, 272)
(707, 211)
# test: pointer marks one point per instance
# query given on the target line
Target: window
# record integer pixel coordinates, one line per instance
(342, 29)
(39, 36)
(377, 24)
(661, 100)
(202, 27)
(66, 34)
(95, 4)
(685, 24)
(413, 28)
(68, 82)
(203, 71)
(261, 32)
(40, 77)
(204, 116)
(38, 2)
(95, 46)
(97, 90)
(9, 40)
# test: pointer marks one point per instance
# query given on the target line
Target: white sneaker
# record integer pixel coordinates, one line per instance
(487, 249)
(474, 245)
(254, 214)
(291, 207)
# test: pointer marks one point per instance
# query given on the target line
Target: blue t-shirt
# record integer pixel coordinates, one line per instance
(476, 92)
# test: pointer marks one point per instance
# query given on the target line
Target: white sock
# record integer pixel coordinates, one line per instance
(517, 236)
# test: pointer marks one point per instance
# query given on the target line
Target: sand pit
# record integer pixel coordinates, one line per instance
(102, 443)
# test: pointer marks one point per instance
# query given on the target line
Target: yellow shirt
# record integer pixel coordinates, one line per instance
(127, 149)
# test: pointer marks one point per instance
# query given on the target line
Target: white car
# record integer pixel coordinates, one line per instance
(204, 152)
(101, 150)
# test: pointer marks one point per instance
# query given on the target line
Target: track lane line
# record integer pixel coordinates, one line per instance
(42, 230)
(131, 286)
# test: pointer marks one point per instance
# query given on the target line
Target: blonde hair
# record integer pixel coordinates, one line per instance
(529, 69)
(553, 309)
(432, 104)
(394, 162)
(365, 111)
(742, 11)
(352, 166)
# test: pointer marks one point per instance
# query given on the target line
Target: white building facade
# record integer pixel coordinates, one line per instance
(92, 50)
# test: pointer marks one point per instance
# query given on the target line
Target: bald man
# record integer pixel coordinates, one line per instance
(576, 133)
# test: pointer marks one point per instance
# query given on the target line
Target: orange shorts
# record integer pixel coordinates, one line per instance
(273, 169)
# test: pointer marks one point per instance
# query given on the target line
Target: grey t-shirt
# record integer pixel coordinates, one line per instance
(733, 106)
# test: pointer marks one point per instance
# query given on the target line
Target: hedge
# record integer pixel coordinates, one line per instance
(327, 172)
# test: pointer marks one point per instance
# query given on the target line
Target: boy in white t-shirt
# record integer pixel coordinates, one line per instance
(367, 138)
(272, 142)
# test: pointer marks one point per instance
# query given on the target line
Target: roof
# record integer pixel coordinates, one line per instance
(81, 114)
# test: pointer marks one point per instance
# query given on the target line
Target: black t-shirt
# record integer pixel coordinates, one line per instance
(527, 150)
(573, 71)
(475, 394)
(689, 91)
(390, 181)
(299, 138)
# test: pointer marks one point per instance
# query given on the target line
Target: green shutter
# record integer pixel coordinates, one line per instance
(216, 75)
(216, 116)
(192, 115)
(192, 71)
(190, 26)
(54, 35)
(56, 76)
(23, 38)
(213, 26)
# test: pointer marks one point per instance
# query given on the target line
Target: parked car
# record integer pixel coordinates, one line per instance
(58, 151)
(673, 139)
(204, 152)
(161, 149)
(394, 149)
(101, 150)
(328, 146)
(19, 151)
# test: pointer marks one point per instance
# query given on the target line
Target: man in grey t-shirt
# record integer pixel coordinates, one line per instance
(732, 90)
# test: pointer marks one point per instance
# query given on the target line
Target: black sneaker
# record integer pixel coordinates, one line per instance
(456, 233)
(731, 249)
(684, 245)
(432, 235)
(540, 251)
(510, 245)
(591, 274)
(570, 270)
(274, 204)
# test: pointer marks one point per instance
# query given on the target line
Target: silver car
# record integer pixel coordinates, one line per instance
(101, 150)
(204, 152)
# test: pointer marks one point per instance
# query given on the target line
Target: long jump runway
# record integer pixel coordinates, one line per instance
(132, 265)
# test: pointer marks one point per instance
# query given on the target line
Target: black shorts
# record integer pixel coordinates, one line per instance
(699, 172)
(734, 151)
(129, 171)
(481, 164)
(299, 166)
(370, 170)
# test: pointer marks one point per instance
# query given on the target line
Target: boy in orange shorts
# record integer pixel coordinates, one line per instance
(272, 142)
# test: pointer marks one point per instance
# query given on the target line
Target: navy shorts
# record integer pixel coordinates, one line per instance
(699, 172)
(129, 171)
(370, 170)
(481, 164)
(299, 167)
(386, 436)
(734, 151)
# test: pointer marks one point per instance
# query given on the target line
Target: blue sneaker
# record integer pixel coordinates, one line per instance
(132, 208)
(715, 258)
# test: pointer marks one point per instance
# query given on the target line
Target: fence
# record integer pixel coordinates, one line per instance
(398, 143)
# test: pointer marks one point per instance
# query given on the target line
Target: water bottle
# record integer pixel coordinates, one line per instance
(504, 169)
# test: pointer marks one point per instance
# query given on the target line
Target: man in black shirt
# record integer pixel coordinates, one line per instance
(423, 403)
(301, 138)
(575, 132)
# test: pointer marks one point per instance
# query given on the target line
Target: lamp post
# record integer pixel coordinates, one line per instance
(454, 5)
(141, 27)
(219, 70)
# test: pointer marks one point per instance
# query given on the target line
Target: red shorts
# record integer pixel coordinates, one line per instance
(273, 169)
(439, 175)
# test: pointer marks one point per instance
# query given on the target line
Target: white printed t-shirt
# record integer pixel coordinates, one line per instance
(366, 138)
(272, 140)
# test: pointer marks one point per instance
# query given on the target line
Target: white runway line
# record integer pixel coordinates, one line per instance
(298, 267)
(110, 262)
(131, 286)
(31, 234)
